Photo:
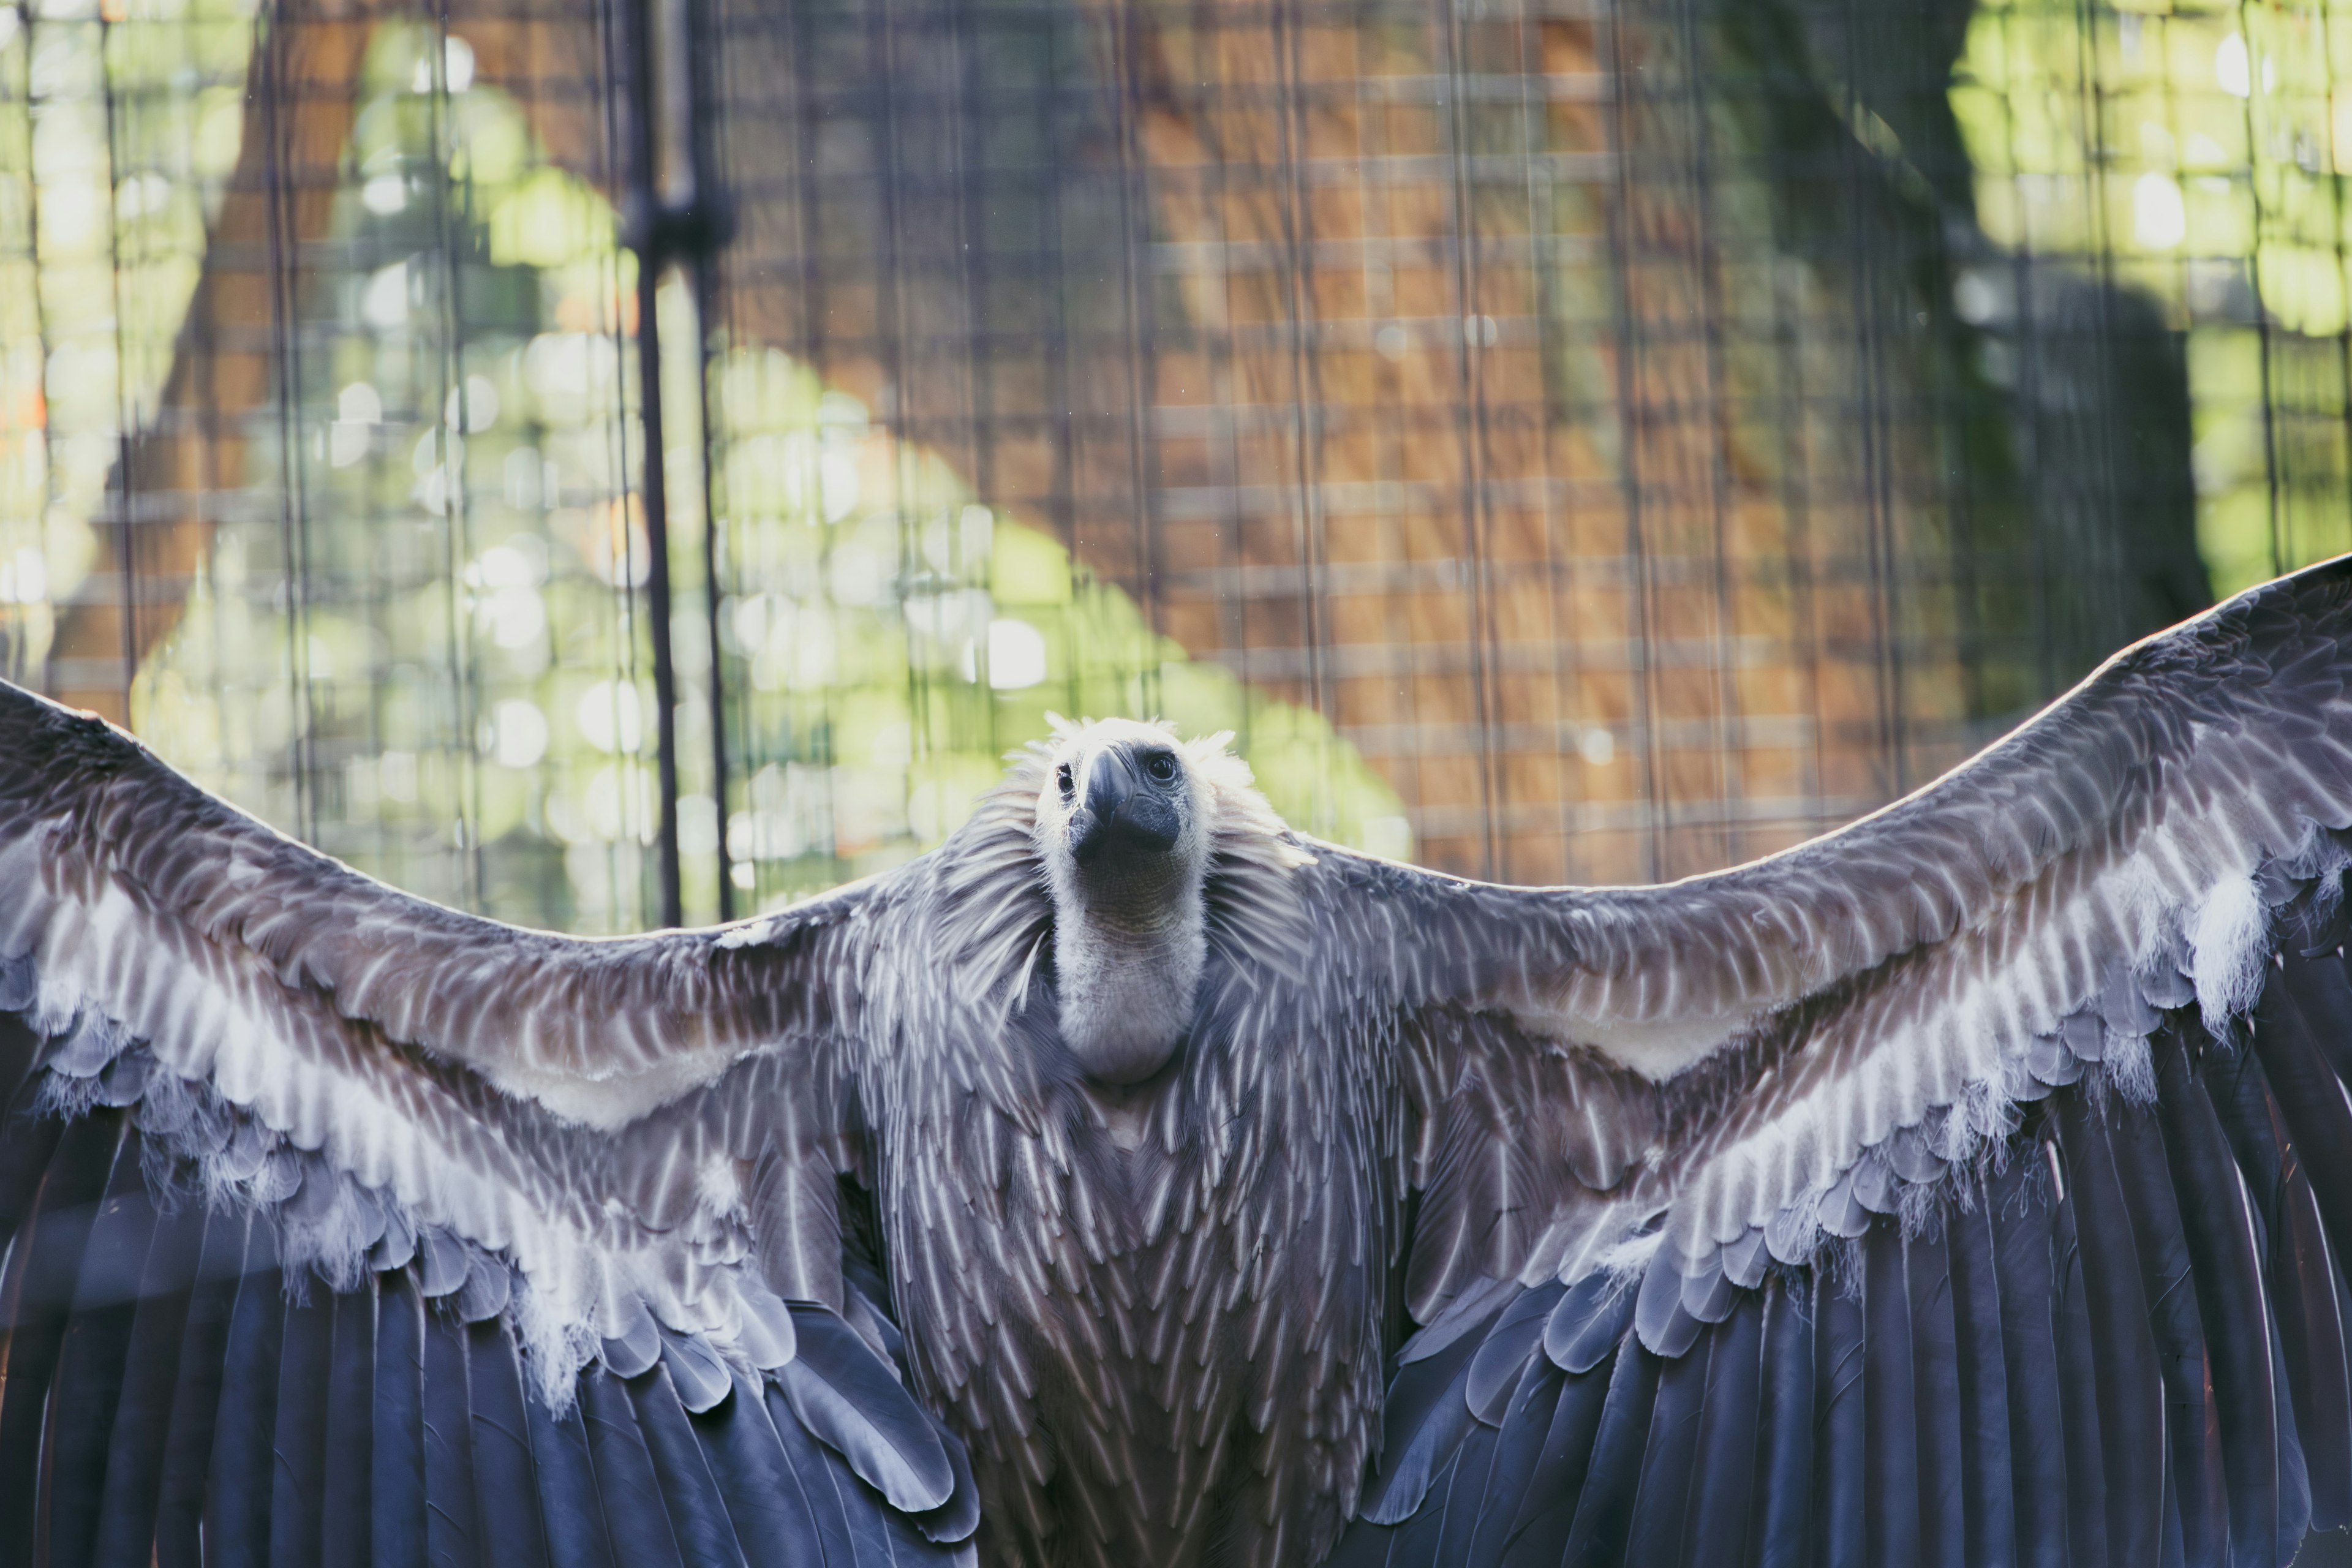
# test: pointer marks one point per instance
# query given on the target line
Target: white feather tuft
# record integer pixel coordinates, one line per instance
(1628, 1260)
(750, 934)
(2131, 1068)
(2228, 938)
(720, 1186)
(556, 1345)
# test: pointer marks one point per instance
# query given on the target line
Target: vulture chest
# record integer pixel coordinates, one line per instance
(1159, 1328)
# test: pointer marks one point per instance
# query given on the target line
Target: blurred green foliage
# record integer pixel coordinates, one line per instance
(118, 124)
(2197, 153)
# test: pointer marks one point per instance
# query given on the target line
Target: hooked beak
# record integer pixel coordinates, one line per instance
(1122, 813)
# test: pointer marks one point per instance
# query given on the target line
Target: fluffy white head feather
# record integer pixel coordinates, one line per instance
(1127, 824)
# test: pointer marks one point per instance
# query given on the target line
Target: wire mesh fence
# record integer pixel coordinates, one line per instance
(609, 461)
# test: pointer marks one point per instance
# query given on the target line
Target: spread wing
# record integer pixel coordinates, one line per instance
(1973, 1184)
(341, 1226)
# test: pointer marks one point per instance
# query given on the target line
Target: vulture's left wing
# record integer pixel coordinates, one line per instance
(339, 1226)
(1972, 1185)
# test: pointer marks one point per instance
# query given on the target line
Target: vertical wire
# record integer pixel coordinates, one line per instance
(705, 273)
(809, 295)
(1796, 500)
(652, 459)
(1624, 241)
(1208, 23)
(1061, 504)
(17, 645)
(464, 673)
(618, 154)
(2262, 313)
(968, 184)
(823, 755)
(1470, 430)
(2027, 371)
(125, 409)
(1536, 187)
(1139, 357)
(1730, 726)
(2337, 201)
(1307, 519)
(2091, 112)
(892, 315)
(737, 741)
(1401, 583)
(25, 26)
(704, 68)
(293, 520)
(1876, 480)
(931, 98)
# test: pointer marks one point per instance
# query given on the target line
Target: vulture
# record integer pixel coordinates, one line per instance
(1133, 1181)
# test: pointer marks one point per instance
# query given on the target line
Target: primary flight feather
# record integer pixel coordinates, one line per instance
(1131, 1180)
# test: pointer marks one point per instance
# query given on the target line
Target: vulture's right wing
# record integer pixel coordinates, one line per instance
(1972, 1185)
(340, 1227)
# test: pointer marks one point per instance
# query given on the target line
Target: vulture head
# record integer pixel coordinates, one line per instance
(1125, 821)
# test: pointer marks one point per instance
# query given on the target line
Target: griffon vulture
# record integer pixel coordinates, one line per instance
(1131, 1180)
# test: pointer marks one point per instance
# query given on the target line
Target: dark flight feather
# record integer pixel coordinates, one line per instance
(954, 1520)
(92, 1359)
(2300, 1010)
(565, 1476)
(1988, 1474)
(2306, 1338)
(36, 1290)
(1502, 1355)
(1604, 1503)
(196, 1393)
(244, 1458)
(1661, 1502)
(2018, 1201)
(400, 1534)
(1841, 1474)
(771, 1521)
(1781, 1531)
(1723, 1486)
(847, 1514)
(2078, 1375)
(1455, 1506)
(2131, 1393)
(2230, 1306)
(636, 1517)
(1940, 1459)
(452, 1515)
(1429, 1411)
(2313, 1321)
(2200, 1489)
(849, 1399)
(150, 1380)
(1518, 1452)
(1538, 1530)
(297, 1485)
(1891, 1513)
(697, 1514)
(349, 1437)
(506, 1489)
(1589, 1321)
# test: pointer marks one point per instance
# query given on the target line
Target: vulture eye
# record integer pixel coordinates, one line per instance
(1162, 767)
(1063, 773)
